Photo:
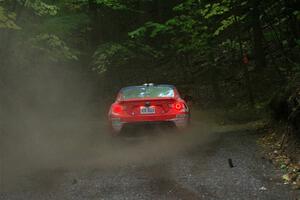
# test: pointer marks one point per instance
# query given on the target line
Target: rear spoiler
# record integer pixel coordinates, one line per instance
(147, 99)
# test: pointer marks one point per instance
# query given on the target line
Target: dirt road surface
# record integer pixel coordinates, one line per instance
(67, 160)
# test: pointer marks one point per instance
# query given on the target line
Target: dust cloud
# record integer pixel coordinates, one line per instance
(56, 120)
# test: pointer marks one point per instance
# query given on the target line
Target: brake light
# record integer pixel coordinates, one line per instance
(117, 108)
(178, 106)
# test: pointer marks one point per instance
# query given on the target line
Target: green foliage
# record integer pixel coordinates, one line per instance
(41, 8)
(297, 14)
(215, 9)
(153, 28)
(186, 5)
(138, 33)
(117, 5)
(7, 20)
(113, 4)
(194, 25)
(53, 47)
(203, 40)
(141, 49)
(110, 54)
(226, 23)
(65, 25)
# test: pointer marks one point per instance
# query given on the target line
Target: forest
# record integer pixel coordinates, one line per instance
(225, 52)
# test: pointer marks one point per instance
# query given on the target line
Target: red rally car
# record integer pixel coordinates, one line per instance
(148, 104)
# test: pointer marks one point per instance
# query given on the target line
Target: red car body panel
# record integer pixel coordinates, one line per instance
(165, 109)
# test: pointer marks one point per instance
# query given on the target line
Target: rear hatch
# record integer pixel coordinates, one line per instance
(147, 107)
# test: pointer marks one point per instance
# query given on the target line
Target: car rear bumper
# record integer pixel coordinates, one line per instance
(180, 121)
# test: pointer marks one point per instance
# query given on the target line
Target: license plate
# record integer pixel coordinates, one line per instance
(147, 110)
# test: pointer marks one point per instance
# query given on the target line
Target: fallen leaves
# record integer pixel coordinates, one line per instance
(293, 176)
(272, 144)
(296, 184)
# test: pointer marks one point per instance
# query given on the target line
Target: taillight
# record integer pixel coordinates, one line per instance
(117, 108)
(178, 106)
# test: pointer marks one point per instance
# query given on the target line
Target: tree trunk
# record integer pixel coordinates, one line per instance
(95, 36)
(293, 22)
(160, 10)
(214, 78)
(245, 67)
(258, 48)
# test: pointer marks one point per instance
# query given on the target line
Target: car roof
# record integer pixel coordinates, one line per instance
(155, 85)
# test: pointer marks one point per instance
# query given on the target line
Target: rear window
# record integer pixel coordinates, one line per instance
(147, 92)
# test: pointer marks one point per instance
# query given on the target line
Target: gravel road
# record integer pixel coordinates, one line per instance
(192, 165)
